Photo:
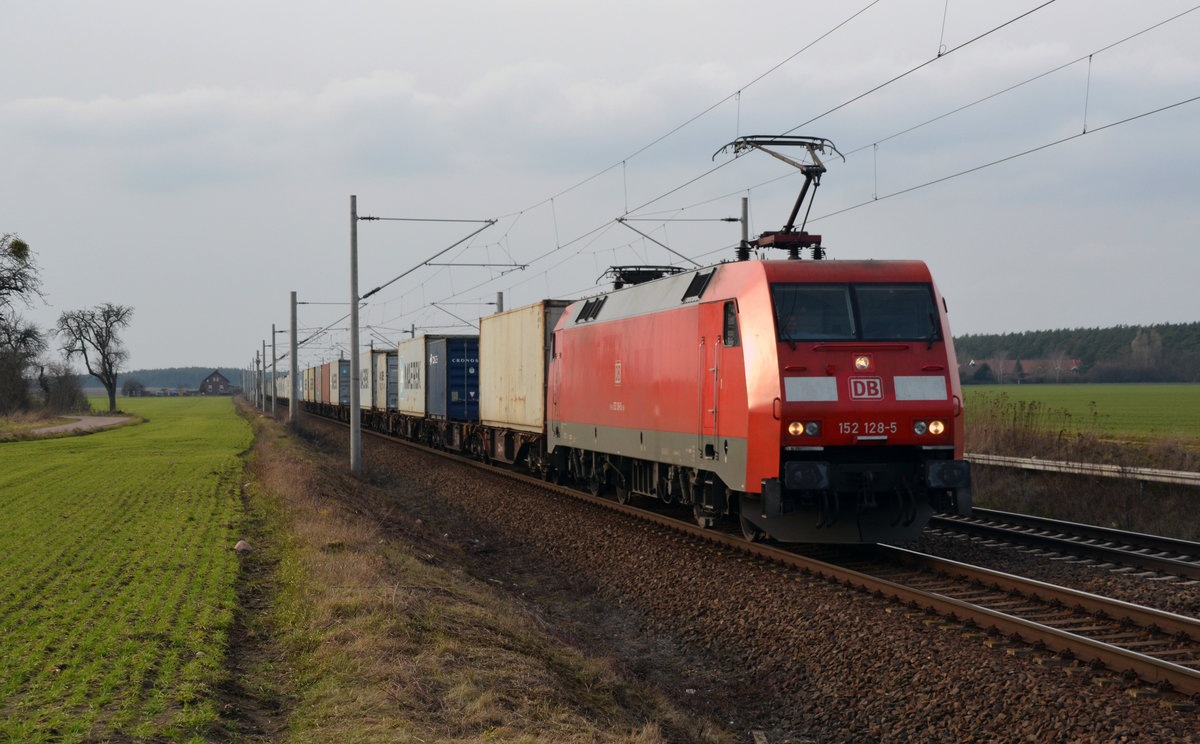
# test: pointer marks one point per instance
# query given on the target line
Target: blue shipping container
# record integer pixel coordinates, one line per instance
(452, 378)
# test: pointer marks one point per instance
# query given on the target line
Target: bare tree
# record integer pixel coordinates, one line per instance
(92, 334)
(21, 344)
(1058, 363)
(18, 272)
(1000, 358)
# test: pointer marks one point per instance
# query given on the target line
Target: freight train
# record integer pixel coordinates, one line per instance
(810, 401)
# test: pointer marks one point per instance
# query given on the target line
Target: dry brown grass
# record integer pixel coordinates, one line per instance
(1030, 429)
(372, 634)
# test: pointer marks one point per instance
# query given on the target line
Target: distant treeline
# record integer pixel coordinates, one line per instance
(1169, 352)
(177, 378)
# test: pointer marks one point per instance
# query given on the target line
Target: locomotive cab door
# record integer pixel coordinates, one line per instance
(709, 356)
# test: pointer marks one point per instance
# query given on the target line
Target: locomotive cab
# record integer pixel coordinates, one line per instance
(870, 412)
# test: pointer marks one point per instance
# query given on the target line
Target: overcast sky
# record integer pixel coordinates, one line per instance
(196, 160)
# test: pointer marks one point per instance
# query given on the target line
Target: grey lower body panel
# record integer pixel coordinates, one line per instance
(724, 456)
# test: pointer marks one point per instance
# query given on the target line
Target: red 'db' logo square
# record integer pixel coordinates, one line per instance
(866, 388)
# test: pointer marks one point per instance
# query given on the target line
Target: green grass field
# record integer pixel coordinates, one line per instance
(117, 586)
(1133, 412)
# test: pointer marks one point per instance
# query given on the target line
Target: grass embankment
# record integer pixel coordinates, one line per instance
(1149, 426)
(117, 587)
(375, 633)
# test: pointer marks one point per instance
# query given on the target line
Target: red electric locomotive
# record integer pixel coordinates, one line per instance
(818, 401)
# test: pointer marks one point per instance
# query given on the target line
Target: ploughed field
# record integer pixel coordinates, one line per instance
(752, 647)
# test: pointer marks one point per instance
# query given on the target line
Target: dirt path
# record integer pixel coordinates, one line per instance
(80, 423)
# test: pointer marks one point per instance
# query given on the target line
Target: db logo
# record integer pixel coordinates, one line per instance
(866, 388)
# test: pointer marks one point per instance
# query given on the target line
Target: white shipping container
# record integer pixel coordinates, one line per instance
(411, 385)
(514, 348)
(366, 373)
(385, 384)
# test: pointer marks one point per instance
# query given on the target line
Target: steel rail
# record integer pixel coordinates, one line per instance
(1121, 660)
(1149, 475)
(1151, 552)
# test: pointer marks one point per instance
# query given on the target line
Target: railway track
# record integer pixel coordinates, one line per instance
(1144, 552)
(1160, 648)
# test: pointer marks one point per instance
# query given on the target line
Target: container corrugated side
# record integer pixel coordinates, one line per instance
(513, 354)
(323, 383)
(410, 359)
(452, 377)
(383, 383)
(366, 376)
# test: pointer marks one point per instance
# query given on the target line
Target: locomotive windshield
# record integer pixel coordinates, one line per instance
(855, 312)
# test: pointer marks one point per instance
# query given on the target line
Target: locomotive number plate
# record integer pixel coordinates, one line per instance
(868, 428)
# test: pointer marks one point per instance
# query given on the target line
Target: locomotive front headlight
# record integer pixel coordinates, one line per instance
(919, 428)
(805, 428)
(936, 427)
(862, 362)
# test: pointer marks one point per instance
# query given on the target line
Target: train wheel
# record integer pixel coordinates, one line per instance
(703, 518)
(750, 530)
(622, 493)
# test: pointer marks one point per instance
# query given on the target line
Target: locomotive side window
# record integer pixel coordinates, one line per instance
(730, 334)
(897, 312)
(806, 312)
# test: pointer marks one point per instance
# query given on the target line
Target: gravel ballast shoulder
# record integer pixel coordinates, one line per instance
(761, 648)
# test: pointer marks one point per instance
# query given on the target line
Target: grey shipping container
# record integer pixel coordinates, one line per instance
(339, 382)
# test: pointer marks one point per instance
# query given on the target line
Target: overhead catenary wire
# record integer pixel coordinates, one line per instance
(599, 230)
(1014, 156)
(926, 63)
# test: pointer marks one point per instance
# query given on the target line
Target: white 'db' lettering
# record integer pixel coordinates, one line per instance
(866, 388)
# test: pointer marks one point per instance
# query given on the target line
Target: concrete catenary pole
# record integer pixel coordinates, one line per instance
(294, 371)
(263, 377)
(355, 413)
(274, 374)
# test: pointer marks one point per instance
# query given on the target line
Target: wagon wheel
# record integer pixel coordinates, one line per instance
(665, 494)
(594, 486)
(750, 531)
(623, 494)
